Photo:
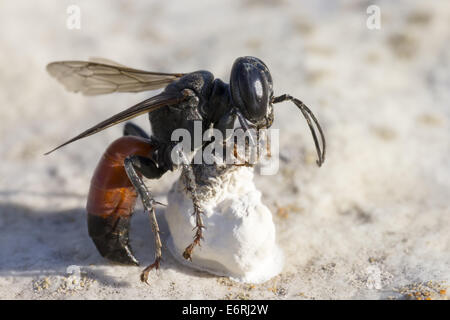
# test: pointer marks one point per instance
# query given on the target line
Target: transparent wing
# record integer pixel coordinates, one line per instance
(161, 100)
(104, 76)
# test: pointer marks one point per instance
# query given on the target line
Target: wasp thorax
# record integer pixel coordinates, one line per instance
(251, 87)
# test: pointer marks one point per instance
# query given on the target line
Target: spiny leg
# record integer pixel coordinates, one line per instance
(130, 164)
(158, 247)
(188, 173)
(242, 162)
(268, 144)
(190, 180)
(248, 144)
(149, 169)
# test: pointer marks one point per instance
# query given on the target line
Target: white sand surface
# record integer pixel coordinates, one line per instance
(372, 223)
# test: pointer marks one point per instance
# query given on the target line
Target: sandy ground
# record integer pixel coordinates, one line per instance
(372, 223)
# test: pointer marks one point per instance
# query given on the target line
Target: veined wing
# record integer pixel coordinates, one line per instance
(161, 100)
(95, 77)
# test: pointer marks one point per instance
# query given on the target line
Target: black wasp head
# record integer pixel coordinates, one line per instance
(251, 89)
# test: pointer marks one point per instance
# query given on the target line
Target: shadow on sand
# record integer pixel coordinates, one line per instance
(37, 243)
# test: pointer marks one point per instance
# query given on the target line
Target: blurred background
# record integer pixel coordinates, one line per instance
(373, 222)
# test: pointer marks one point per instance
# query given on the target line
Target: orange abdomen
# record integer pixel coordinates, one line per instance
(111, 192)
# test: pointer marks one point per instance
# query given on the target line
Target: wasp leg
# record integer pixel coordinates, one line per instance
(130, 129)
(268, 145)
(242, 162)
(149, 169)
(133, 165)
(189, 176)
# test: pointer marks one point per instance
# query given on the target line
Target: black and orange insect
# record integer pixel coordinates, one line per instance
(186, 98)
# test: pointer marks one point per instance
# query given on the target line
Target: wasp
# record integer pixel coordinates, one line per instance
(186, 98)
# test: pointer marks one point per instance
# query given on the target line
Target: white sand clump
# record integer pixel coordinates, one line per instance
(239, 239)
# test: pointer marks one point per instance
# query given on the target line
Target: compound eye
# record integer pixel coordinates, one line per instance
(250, 87)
